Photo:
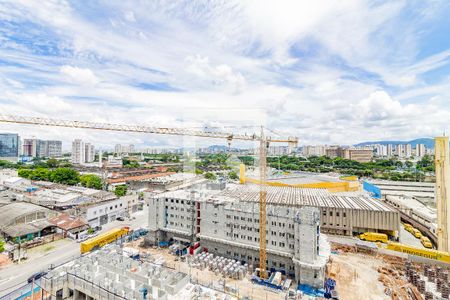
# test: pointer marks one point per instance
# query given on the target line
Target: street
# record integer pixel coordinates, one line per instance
(15, 275)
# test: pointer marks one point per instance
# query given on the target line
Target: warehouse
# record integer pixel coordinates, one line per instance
(226, 222)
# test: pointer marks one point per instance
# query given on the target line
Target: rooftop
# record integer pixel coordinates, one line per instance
(9, 212)
(66, 222)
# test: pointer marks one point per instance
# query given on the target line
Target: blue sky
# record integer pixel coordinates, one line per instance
(341, 72)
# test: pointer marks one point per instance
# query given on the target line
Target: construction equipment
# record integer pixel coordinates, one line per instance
(103, 239)
(374, 237)
(263, 140)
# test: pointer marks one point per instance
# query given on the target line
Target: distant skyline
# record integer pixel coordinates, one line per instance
(328, 73)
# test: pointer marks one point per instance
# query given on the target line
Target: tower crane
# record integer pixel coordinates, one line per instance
(263, 140)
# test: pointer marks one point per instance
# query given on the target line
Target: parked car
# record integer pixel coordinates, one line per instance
(36, 276)
(120, 219)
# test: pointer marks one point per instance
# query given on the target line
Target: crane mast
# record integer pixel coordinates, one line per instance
(262, 139)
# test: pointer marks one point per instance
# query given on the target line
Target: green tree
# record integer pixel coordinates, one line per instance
(198, 171)
(24, 173)
(40, 174)
(65, 176)
(2, 245)
(91, 181)
(52, 163)
(233, 175)
(210, 176)
(121, 190)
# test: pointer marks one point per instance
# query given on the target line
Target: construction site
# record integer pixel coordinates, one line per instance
(258, 239)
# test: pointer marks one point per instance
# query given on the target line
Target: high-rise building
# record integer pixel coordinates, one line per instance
(29, 147)
(119, 149)
(390, 150)
(89, 155)
(9, 146)
(421, 150)
(41, 148)
(54, 149)
(400, 150)
(408, 150)
(78, 152)
(318, 150)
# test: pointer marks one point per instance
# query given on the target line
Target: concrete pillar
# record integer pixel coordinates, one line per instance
(442, 192)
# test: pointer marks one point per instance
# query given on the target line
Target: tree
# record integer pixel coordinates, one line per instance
(2, 245)
(210, 176)
(121, 190)
(198, 171)
(24, 173)
(233, 175)
(52, 163)
(65, 176)
(91, 181)
(40, 174)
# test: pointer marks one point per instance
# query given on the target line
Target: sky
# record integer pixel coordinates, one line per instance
(327, 72)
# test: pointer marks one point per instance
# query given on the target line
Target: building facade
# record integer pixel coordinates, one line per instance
(82, 152)
(227, 223)
(41, 148)
(9, 146)
(105, 212)
(89, 152)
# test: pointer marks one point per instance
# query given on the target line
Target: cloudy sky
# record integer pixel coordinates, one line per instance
(325, 71)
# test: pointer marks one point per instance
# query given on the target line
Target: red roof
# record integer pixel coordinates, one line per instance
(66, 222)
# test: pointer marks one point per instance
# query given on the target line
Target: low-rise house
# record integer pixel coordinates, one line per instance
(69, 226)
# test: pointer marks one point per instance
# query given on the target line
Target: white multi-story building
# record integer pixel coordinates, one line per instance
(390, 150)
(105, 212)
(317, 150)
(41, 148)
(119, 149)
(227, 223)
(54, 149)
(400, 150)
(78, 152)
(408, 150)
(82, 152)
(421, 150)
(89, 152)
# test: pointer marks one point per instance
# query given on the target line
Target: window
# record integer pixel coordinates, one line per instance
(110, 208)
(345, 215)
(337, 214)
(115, 206)
(121, 205)
(324, 212)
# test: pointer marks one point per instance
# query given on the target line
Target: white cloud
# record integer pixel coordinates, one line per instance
(225, 63)
(81, 76)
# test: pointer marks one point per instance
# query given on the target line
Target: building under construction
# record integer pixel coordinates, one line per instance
(226, 223)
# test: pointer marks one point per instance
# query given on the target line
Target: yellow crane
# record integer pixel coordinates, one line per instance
(263, 140)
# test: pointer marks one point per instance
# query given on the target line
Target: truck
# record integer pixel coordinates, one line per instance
(426, 242)
(103, 239)
(417, 233)
(374, 237)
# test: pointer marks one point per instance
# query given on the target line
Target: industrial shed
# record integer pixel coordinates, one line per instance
(23, 213)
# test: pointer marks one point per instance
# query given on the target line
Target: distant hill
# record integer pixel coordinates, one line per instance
(428, 142)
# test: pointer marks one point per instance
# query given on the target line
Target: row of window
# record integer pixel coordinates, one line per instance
(178, 201)
(344, 214)
(256, 239)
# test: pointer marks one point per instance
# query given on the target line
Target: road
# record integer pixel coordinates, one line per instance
(16, 275)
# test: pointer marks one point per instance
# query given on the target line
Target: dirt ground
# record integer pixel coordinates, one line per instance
(4, 260)
(205, 277)
(357, 277)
